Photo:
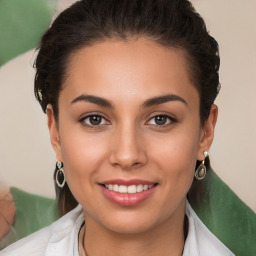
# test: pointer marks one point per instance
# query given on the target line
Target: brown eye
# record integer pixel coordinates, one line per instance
(94, 120)
(161, 120)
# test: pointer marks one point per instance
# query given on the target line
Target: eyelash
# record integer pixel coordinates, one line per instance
(90, 125)
(167, 118)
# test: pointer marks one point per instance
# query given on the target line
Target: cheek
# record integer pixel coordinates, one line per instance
(83, 154)
(176, 156)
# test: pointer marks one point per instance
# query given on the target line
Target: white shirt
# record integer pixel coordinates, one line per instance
(61, 238)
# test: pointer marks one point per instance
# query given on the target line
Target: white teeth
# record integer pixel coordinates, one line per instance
(115, 188)
(122, 189)
(132, 189)
(145, 187)
(139, 188)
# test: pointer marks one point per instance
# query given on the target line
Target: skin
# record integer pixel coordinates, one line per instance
(128, 143)
(7, 212)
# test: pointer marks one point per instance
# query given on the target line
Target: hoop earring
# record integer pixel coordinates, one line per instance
(200, 172)
(60, 175)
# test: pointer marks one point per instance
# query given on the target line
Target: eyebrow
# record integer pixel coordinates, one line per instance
(93, 99)
(163, 99)
(148, 103)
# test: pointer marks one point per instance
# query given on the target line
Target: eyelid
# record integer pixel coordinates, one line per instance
(87, 115)
(167, 115)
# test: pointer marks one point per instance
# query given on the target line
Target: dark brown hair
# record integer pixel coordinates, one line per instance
(171, 23)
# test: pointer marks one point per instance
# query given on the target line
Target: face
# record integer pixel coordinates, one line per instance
(129, 134)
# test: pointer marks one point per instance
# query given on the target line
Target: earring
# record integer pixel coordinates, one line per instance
(200, 172)
(60, 175)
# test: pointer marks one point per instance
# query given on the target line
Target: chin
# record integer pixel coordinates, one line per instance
(132, 222)
(128, 228)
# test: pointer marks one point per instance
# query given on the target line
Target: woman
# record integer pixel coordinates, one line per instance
(128, 88)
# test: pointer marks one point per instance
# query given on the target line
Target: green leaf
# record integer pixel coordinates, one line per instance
(22, 23)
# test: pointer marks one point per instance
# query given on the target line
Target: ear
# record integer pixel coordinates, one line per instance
(207, 133)
(54, 132)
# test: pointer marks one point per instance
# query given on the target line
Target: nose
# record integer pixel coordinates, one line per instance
(127, 149)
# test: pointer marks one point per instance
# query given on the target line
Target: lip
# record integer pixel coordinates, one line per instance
(128, 182)
(127, 199)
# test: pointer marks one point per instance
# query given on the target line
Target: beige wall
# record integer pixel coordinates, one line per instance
(233, 23)
(26, 157)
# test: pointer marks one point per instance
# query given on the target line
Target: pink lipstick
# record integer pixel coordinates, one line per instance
(128, 192)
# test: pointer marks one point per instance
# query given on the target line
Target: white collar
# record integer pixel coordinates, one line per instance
(199, 242)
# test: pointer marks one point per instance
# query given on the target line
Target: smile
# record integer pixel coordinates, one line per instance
(128, 193)
(132, 189)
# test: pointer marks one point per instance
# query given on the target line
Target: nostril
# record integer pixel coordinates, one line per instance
(127, 156)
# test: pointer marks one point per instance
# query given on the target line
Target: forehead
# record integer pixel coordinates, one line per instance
(136, 67)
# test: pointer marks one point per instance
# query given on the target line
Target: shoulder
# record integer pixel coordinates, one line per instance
(200, 240)
(47, 240)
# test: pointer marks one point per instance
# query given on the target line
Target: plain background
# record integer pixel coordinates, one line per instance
(27, 160)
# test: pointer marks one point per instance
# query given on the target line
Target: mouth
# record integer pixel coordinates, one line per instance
(128, 193)
(132, 189)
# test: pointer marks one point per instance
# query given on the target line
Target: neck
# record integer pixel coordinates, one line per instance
(166, 239)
